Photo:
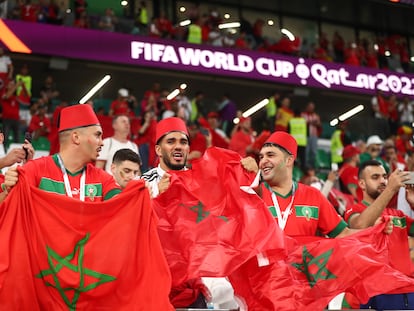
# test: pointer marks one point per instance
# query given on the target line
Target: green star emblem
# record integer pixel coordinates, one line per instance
(320, 262)
(202, 214)
(57, 263)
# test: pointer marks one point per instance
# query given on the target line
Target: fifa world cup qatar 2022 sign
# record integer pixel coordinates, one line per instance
(144, 51)
(273, 67)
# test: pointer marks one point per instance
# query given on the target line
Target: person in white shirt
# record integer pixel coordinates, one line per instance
(122, 127)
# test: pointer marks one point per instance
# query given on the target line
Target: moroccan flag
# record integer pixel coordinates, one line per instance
(316, 271)
(58, 253)
(208, 226)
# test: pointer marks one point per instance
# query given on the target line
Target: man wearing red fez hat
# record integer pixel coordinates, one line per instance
(172, 148)
(80, 139)
(299, 209)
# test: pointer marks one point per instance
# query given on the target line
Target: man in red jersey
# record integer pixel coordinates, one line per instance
(70, 172)
(299, 209)
(378, 190)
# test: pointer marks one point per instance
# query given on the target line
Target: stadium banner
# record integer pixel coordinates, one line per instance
(135, 50)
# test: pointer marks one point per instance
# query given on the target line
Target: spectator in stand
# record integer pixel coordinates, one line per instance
(40, 125)
(145, 140)
(381, 114)
(405, 110)
(338, 44)
(126, 166)
(195, 32)
(24, 90)
(382, 49)
(348, 173)
(299, 130)
(313, 121)
(339, 140)
(6, 69)
(393, 114)
(80, 7)
(403, 141)
(215, 37)
(372, 58)
(242, 138)
(151, 98)
(228, 111)
(404, 56)
(241, 42)
(393, 159)
(258, 31)
(164, 26)
(141, 20)
(82, 21)
(271, 109)
(108, 21)
(378, 191)
(283, 115)
(184, 105)
(351, 55)
(219, 137)
(29, 11)
(153, 30)
(373, 151)
(197, 107)
(10, 111)
(49, 92)
(200, 140)
(120, 105)
(122, 129)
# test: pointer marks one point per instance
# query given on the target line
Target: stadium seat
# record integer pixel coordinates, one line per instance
(41, 143)
(323, 160)
(297, 173)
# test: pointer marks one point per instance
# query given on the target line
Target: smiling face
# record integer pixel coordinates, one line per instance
(275, 165)
(173, 150)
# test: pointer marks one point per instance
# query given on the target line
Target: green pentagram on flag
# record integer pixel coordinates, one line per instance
(201, 212)
(320, 262)
(65, 262)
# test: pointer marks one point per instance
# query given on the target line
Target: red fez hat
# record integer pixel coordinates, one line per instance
(213, 114)
(77, 116)
(349, 151)
(168, 125)
(284, 140)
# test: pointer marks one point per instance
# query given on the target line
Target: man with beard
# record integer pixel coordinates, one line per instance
(172, 148)
(378, 189)
(70, 172)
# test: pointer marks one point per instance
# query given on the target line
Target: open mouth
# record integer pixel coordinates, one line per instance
(177, 156)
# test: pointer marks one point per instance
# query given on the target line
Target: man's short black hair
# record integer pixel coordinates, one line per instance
(364, 165)
(126, 155)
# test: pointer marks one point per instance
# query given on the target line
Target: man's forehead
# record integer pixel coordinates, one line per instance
(129, 165)
(175, 135)
(269, 148)
(376, 170)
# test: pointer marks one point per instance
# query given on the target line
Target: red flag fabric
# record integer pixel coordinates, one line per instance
(208, 226)
(315, 272)
(58, 253)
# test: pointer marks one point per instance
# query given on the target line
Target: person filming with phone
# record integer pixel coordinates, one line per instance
(379, 193)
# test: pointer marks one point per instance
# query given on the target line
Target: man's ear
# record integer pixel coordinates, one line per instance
(158, 150)
(75, 137)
